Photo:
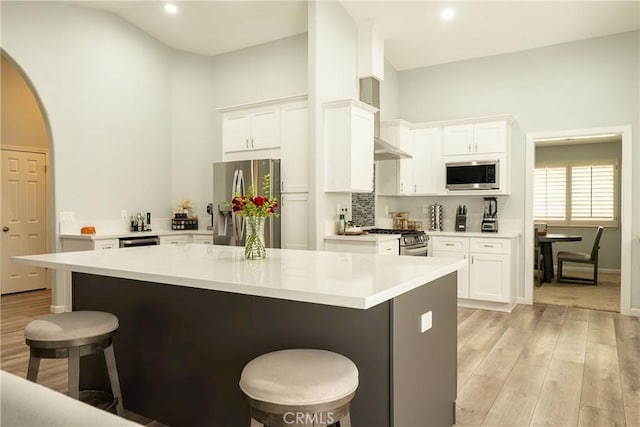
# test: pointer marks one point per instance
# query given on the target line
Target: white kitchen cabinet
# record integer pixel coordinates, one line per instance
(294, 209)
(202, 239)
(294, 163)
(384, 247)
(72, 244)
(490, 275)
(427, 169)
(475, 138)
(348, 141)
(178, 239)
(423, 174)
(251, 129)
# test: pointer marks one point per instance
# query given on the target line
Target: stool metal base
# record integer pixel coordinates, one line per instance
(274, 415)
(58, 350)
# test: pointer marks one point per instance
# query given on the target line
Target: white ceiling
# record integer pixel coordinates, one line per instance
(415, 34)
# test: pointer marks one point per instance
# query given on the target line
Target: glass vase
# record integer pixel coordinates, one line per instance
(254, 247)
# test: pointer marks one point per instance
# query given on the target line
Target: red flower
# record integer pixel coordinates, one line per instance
(258, 200)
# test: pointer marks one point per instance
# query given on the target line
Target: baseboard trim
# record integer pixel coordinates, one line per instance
(507, 307)
(56, 309)
(634, 312)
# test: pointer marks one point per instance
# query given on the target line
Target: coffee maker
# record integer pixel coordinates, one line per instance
(490, 215)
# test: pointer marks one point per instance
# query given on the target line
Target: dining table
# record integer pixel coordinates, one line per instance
(546, 242)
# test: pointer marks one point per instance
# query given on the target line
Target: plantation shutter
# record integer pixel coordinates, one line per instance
(550, 194)
(593, 193)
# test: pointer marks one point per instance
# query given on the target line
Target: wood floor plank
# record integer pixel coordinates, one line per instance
(575, 313)
(559, 402)
(632, 415)
(601, 386)
(628, 346)
(601, 328)
(476, 399)
(517, 399)
(572, 342)
(504, 354)
(598, 417)
(541, 344)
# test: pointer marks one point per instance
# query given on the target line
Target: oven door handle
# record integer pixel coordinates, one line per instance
(420, 250)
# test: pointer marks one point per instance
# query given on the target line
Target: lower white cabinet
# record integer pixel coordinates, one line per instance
(295, 220)
(179, 239)
(385, 247)
(491, 272)
(203, 240)
(70, 245)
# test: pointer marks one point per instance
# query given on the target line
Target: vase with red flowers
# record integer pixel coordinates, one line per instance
(255, 208)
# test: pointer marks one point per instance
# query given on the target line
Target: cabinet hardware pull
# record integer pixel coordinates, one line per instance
(471, 259)
(470, 148)
(246, 143)
(252, 144)
(448, 244)
(475, 148)
(488, 246)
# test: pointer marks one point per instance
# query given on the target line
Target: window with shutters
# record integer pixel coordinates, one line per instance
(577, 194)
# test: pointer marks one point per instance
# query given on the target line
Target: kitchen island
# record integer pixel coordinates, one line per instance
(192, 316)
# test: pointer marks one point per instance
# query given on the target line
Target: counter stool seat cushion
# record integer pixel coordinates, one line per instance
(299, 377)
(72, 326)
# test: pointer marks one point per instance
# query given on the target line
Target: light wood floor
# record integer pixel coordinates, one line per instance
(540, 365)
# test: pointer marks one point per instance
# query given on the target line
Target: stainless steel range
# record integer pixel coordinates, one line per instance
(412, 242)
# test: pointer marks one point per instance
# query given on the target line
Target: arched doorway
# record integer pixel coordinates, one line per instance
(25, 193)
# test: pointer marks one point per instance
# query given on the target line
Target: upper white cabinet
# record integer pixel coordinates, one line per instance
(294, 164)
(348, 141)
(428, 173)
(475, 138)
(420, 175)
(251, 129)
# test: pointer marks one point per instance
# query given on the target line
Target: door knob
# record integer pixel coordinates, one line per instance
(5, 229)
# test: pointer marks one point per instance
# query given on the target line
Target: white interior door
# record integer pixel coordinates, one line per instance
(23, 219)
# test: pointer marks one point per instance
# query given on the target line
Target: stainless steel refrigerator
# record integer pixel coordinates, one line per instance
(236, 177)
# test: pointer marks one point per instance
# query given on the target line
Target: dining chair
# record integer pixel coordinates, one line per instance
(538, 258)
(583, 258)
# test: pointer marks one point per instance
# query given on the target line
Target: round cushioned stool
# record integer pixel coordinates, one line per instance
(299, 387)
(72, 335)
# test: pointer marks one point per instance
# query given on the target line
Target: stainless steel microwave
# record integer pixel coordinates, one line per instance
(475, 175)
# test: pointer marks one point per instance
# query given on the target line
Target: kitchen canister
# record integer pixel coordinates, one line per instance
(435, 217)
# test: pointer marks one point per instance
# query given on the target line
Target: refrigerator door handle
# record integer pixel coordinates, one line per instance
(238, 220)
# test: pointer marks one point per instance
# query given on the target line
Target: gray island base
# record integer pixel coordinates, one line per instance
(180, 350)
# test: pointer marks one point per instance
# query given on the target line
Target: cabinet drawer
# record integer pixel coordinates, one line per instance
(451, 244)
(106, 244)
(490, 246)
(173, 240)
(390, 247)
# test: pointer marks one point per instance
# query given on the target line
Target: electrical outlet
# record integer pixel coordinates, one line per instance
(124, 215)
(425, 322)
(425, 209)
(67, 216)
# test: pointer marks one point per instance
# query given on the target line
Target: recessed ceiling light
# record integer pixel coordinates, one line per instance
(171, 8)
(447, 14)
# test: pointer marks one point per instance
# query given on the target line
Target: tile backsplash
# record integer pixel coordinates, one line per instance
(363, 209)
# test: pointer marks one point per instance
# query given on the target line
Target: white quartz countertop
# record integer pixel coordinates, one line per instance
(503, 235)
(126, 235)
(333, 278)
(363, 237)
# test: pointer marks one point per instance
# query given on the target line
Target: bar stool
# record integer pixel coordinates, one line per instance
(299, 387)
(72, 335)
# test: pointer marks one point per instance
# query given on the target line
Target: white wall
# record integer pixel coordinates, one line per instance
(104, 86)
(584, 84)
(333, 38)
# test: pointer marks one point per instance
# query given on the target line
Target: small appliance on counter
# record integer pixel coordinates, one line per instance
(461, 218)
(490, 215)
(435, 217)
(210, 212)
